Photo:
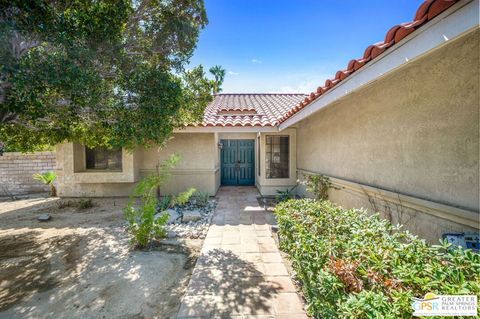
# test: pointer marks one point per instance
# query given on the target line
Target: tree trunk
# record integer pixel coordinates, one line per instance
(53, 190)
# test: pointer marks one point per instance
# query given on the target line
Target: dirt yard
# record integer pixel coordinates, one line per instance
(80, 264)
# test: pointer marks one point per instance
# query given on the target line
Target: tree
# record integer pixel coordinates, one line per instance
(103, 73)
(219, 74)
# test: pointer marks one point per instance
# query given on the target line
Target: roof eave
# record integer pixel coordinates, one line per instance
(452, 23)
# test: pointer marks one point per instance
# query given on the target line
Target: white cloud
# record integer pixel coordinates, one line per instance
(305, 86)
(233, 73)
(256, 61)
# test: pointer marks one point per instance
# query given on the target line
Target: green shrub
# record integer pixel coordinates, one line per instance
(201, 198)
(47, 178)
(284, 195)
(165, 202)
(85, 203)
(142, 223)
(318, 185)
(355, 265)
(183, 198)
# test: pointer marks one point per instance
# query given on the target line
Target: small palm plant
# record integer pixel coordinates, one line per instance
(47, 178)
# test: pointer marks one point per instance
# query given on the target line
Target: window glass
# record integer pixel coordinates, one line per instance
(103, 159)
(277, 156)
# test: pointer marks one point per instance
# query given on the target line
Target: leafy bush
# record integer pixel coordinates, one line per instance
(183, 198)
(284, 195)
(47, 178)
(201, 198)
(143, 225)
(318, 185)
(355, 265)
(85, 203)
(164, 203)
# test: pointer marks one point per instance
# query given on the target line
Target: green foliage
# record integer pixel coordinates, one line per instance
(284, 195)
(354, 265)
(48, 178)
(318, 185)
(142, 224)
(85, 203)
(201, 198)
(219, 75)
(165, 202)
(102, 73)
(183, 198)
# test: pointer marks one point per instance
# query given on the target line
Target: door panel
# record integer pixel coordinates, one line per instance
(237, 162)
(228, 161)
(246, 162)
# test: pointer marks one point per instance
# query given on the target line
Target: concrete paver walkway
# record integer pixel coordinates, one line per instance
(240, 272)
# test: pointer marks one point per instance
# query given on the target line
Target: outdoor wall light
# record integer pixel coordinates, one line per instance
(220, 145)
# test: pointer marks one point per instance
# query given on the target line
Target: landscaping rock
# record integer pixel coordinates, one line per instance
(191, 216)
(196, 220)
(174, 215)
(171, 234)
(44, 217)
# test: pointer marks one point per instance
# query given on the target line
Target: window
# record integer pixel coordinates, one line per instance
(277, 156)
(103, 159)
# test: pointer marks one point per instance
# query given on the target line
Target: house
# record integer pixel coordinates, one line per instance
(397, 131)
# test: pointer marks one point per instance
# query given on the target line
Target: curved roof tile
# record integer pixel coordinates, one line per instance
(268, 109)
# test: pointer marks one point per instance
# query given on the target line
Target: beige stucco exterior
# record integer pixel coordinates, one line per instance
(199, 166)
(414, 132)
(406, 145)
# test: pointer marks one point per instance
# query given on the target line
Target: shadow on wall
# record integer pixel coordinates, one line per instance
(227, 285)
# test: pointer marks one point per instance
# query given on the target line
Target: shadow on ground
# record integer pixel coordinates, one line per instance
(223, 285)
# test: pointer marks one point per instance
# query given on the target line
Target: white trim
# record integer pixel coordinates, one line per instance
(227, 129)
(455, 21)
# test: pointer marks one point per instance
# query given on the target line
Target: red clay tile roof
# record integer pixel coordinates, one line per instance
(249, 109)
(426, 12)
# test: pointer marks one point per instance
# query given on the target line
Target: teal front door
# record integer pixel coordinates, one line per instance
(238, 162)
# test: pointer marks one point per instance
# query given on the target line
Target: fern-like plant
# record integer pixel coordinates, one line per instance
(142, 223)
(47, 178)
(184, 197)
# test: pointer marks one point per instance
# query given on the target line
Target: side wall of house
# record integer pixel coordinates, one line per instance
(195, 169)
(407, 144)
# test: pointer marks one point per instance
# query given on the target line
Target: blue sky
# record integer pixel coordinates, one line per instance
(292, 46)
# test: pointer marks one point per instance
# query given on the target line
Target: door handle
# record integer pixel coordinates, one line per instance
(237, 165)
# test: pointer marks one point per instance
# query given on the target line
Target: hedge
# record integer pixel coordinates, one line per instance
(355, 265)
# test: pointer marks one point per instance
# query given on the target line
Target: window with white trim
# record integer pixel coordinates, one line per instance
(277, 156)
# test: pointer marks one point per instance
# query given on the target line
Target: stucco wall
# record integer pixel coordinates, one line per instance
(17, 169)
(195, 169)
(414, 131)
